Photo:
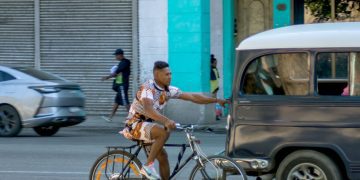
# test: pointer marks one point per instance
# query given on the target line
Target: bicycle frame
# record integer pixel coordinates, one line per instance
(179, 166)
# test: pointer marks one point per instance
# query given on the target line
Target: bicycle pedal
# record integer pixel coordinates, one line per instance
(115, 176)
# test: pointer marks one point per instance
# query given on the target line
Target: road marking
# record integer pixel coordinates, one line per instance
(43, 172)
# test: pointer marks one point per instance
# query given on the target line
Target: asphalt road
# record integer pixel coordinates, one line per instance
(70, 154)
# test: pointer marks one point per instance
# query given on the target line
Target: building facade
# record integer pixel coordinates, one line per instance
(74, 39)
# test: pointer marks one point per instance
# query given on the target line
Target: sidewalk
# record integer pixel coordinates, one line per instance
(96, 122)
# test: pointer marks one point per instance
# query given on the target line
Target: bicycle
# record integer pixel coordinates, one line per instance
(120, 163)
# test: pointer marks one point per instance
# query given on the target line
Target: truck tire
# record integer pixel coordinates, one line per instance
(308, 164)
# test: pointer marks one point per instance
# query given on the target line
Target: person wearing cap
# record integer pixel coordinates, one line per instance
(214, 84)
(214, 76)
(120, 83)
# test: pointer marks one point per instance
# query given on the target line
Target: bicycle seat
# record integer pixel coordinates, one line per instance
(138, 141)
(141, 142)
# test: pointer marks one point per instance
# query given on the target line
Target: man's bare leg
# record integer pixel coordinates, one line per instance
(164, 166)
(160, 135)
(112, 114)
(114, 109)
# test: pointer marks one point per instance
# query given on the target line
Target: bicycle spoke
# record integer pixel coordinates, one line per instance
(116, 165)
(204, 174)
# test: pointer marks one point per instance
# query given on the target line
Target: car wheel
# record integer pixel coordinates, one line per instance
(307, 164)
(46, 130)
(10, 121)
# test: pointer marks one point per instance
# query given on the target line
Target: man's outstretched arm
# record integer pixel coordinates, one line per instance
(201, 99)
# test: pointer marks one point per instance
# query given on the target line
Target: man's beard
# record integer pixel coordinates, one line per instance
(166, 88)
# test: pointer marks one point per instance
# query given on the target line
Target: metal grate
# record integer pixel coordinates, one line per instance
(17, 33)
(77, 40)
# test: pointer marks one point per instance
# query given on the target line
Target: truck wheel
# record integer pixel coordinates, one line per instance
(10, 121)
(46, 130)
(307, 164)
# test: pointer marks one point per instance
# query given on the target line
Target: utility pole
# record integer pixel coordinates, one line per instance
(333, 56)
(333, 11)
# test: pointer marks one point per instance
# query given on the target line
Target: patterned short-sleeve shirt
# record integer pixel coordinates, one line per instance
(152, 91)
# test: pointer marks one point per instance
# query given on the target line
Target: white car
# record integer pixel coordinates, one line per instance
(31, 98)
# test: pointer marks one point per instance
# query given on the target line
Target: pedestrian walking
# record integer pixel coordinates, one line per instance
(214, 76)
(214, 84)
(121, 74)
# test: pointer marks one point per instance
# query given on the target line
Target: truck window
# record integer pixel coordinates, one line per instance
(277, 74)
(338, 74)
(332, 73)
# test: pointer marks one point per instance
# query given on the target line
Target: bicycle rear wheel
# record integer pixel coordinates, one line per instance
(218, 168)
(111, 166)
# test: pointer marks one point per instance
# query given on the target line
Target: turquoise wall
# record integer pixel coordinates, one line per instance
(282, 13)
(189, 44)
(229, 47)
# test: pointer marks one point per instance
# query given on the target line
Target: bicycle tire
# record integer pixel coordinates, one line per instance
(115, 159)
(218, 168)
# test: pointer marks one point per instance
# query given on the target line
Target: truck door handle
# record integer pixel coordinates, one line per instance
(244, 101)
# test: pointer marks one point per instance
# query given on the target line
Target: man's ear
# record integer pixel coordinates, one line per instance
(156, 74)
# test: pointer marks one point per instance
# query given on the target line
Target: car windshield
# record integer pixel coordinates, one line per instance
(42, 75)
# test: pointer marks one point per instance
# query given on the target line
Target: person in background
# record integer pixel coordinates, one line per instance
(346, 91)
(121, 74)
(214, 84)
(214, 76)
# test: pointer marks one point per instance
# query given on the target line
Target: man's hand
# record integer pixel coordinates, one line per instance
(170, 125)
(222, 102)
(201, 99)
(105, 78)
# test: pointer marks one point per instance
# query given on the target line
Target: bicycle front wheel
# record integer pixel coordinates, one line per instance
(218, 168)
(115, 165)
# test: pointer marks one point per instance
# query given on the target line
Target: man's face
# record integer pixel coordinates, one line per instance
(163, 76)
(119, 56)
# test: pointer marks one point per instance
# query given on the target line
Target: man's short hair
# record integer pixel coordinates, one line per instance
(158, 65)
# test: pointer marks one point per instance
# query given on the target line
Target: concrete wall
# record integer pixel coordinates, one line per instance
(189, 58)
(189, 44)
(229, 46)
(153, 36)
(281, 13)
(253, 16)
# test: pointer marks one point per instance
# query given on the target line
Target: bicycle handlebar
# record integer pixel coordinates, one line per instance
(185, 126)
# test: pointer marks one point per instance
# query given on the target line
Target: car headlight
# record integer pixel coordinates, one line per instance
(46, 89)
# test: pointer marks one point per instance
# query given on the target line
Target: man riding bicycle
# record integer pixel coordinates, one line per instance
(150, 99)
